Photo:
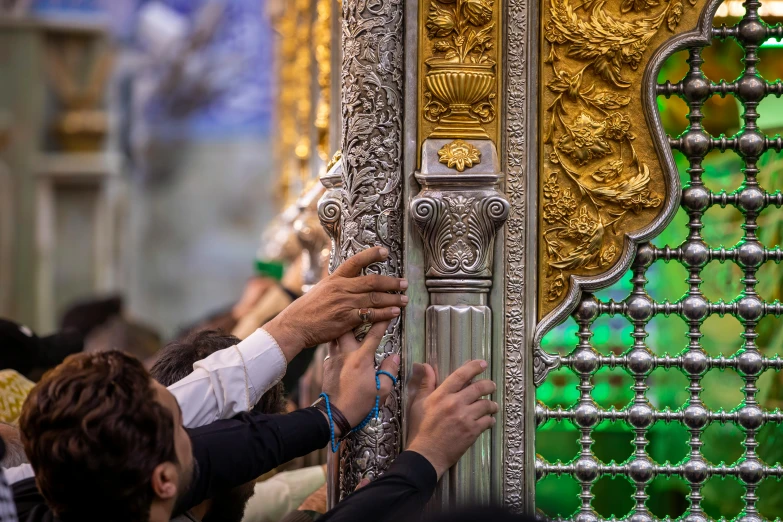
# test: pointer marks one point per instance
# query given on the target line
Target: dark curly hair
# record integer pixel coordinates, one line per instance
(176, 359)
(94, 433)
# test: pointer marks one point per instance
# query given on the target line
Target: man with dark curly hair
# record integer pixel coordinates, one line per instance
(175, 362)
(100, 420)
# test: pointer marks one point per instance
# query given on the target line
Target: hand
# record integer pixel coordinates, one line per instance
(349, 374)
(331, 308)
(444, 421)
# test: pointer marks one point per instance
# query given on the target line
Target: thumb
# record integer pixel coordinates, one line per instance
(428, 380)
(422, 382)
(392, 365)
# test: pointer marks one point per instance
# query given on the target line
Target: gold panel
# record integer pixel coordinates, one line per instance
(599, 176)
(294, 106)
(458, 69)
(322, 38)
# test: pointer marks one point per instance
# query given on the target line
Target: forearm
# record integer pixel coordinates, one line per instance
(233, 452)
(401, 493)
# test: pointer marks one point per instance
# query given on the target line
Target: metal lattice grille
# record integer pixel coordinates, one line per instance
(639, 308)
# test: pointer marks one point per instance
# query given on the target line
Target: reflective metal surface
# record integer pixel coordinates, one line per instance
(458, 215)
(372, 206)
(694, 307)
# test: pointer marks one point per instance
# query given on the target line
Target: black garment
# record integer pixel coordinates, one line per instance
(402, 494)
(22, 350)
(399, 494)
(227, 454)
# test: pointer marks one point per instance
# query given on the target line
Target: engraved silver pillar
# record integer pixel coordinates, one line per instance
(372, 205)
(458, 215)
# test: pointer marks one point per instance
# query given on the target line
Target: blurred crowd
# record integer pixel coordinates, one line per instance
(231, 420)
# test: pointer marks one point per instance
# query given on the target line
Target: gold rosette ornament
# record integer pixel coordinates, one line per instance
(460, 155)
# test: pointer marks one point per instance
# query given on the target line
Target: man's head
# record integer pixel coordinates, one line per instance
(176, 359)
(105, 439)
(175, 363)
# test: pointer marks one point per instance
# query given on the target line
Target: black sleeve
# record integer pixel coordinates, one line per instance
(400, 494)
(229, 453)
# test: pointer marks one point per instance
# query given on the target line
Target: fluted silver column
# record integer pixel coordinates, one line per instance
(458, 213)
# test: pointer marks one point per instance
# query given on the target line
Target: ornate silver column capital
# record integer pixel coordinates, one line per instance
(459, 213)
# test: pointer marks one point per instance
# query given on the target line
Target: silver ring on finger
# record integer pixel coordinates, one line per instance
(364, 315)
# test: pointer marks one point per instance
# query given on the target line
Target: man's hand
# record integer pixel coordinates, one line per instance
(444, 421)
(331, 308)
(349, 374)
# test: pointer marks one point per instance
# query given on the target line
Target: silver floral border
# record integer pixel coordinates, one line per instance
(520, 100)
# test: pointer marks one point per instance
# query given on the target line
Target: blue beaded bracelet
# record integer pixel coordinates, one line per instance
(373, 413)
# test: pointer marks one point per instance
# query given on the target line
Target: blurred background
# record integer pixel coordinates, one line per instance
(146, 145)
(138, 151)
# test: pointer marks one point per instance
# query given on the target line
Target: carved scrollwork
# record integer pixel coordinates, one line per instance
(459, 231)
(543, 363)
(601, 180)
(329, 206)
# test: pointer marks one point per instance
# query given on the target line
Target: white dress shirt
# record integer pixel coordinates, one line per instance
(230, 381)
(226, 383)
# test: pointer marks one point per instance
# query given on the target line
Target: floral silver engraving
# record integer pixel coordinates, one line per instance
(517, 437)
(372, 76)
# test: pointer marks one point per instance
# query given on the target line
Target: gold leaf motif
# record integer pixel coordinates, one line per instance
(459, 155)
(458, 68)
(601, 180)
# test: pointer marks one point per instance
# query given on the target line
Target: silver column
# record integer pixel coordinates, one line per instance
(458, 215)
(372, 206)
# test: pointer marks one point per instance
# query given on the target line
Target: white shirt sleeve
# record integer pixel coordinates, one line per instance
(230, 381)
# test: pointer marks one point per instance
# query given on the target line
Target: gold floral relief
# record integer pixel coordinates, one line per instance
(294, 108)
(599, 177)
(458, 69)
(459, 155)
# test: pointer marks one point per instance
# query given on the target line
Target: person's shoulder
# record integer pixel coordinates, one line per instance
(30, 504)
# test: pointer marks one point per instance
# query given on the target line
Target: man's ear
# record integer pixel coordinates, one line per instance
(165, 481)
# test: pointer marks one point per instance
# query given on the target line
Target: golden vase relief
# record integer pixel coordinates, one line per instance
(459, 69)
(599, 177)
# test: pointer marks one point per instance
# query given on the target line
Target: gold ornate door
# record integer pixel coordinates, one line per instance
(514, 158)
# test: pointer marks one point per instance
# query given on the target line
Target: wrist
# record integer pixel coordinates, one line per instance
(337, 431)
(287, 338)
(338, 422)
(438, 464)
